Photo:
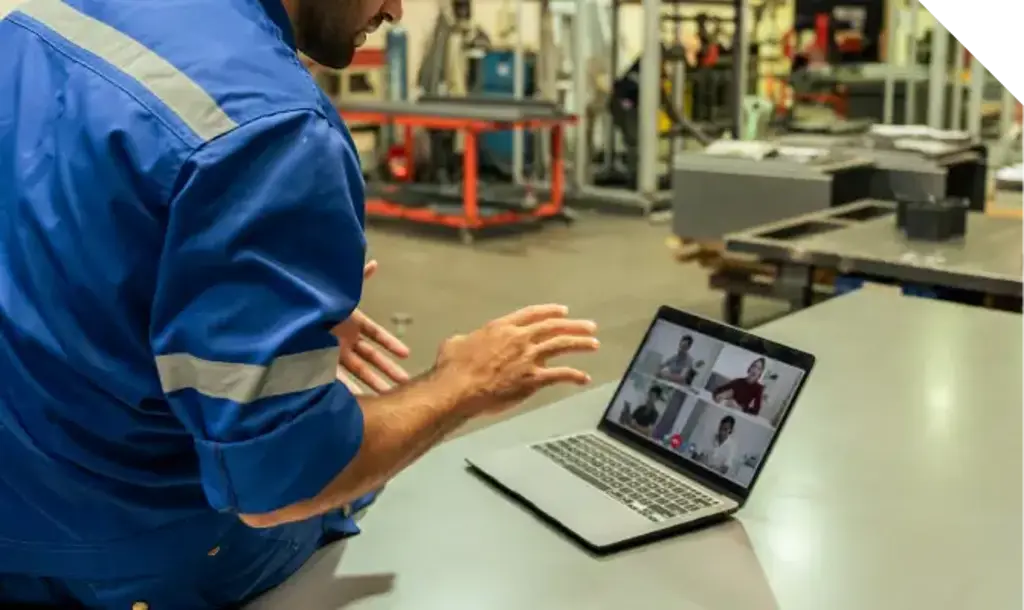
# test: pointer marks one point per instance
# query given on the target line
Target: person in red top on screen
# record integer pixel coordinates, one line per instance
(744, 392)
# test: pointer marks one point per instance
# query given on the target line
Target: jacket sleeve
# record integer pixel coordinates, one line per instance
(263, 255)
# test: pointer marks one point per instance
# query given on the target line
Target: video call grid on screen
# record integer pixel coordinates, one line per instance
(689, 399)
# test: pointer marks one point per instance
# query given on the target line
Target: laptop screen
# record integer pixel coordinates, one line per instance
(712, 402)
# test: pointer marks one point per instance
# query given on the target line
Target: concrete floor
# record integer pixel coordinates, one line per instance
(613, 270)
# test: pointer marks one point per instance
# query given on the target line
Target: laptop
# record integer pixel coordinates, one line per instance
(680, 445)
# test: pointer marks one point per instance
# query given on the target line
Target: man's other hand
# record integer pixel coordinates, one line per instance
(368, 350)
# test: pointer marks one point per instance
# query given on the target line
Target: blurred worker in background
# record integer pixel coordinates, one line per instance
(181, 230)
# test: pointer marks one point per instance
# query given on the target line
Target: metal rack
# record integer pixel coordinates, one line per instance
(650, 78)
(944, 77)
(646, 197)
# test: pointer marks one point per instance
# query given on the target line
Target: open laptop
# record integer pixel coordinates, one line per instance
(680, 445)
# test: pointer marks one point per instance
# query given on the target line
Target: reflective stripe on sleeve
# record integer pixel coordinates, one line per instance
(177, 91)
(246, 383)
(6, 8)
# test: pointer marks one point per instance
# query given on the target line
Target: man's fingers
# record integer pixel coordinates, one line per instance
(560, 326)
(564, 344)
(562, 374)
(534, 314)
(362, 371)
(388, 367)
(380, 335)
(369, 269)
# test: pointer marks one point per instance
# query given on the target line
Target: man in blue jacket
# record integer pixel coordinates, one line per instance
(181, 258)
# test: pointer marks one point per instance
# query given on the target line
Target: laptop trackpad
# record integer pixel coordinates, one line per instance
(562, 496)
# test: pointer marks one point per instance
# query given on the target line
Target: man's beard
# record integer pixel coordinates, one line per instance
(323, 33)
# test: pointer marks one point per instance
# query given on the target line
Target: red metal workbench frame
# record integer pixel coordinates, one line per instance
(470, 219)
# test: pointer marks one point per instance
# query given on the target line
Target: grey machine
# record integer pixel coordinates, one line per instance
(624, 482)
(714, 195)
(940, 165)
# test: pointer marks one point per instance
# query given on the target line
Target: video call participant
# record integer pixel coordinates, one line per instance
(643, 418)
(721, 454)
(744, 392)
(680, 367)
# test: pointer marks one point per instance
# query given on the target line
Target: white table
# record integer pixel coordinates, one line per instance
(896, 484)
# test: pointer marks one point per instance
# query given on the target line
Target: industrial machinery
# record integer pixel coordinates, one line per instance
(623, 107)
(448, 159)
(891, 74)
(913, 161)
(491, 75)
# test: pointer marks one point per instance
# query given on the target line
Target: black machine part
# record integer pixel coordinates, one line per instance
(931, 219)
(435, 57)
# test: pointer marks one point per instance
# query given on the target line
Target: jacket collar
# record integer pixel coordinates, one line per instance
(275, 11)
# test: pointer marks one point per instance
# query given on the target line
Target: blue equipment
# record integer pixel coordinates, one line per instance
(494, 75)
(396, 57)
(396, 51)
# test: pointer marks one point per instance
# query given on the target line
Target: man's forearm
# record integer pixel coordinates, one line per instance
(398, 427)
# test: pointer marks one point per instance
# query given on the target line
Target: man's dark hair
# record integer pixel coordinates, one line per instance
(687, 338)
(728, 419)
(656, 390)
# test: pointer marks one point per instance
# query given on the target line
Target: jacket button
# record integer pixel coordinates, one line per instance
(140, 606)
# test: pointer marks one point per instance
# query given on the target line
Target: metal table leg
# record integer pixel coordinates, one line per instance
(732, 308)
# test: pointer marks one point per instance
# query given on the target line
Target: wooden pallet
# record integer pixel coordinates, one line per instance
(712, 256)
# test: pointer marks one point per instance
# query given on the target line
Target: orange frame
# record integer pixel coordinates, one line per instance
(470, 218)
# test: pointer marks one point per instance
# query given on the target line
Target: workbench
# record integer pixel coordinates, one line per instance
(470, 117)
(860, 240)
(895, 485)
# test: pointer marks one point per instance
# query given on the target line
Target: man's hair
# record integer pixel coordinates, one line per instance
(656, 390)
(728, 419)
(687, 338)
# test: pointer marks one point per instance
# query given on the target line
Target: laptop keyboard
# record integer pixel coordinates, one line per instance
(639, 486)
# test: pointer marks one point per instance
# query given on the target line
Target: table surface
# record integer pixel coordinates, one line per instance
(991, 247)
(896, 484)
(990, 253)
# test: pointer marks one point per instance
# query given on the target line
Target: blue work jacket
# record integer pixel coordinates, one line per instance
(181, 225)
